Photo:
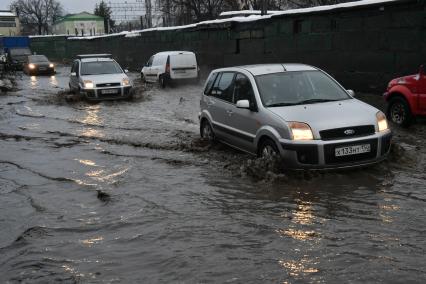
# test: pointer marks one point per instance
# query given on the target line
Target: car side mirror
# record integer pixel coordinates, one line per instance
(351, 93)
(243, 104)
(73, 74)
(126, 70)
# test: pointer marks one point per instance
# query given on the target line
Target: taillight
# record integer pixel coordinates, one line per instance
(168, 65)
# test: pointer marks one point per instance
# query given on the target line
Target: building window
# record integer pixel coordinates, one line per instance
(7, 24)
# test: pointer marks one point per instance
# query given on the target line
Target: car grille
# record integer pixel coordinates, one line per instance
(330, 157)
(107, 85)
(351, 131)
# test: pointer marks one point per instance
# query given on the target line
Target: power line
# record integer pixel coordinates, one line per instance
(127, 10)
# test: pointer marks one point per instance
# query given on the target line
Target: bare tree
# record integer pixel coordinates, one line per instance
(37, 13)
(148, 13)
(190, 11)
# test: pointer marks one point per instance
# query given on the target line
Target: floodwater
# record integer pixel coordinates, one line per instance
(125, 192)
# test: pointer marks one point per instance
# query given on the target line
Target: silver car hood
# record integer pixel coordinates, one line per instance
(329, 115)
(105, 78)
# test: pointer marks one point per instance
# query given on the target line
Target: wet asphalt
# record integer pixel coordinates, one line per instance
(126, 192)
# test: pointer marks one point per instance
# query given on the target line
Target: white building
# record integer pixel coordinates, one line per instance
(9, 24)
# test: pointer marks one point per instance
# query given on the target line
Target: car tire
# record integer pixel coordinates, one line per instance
(162, 81)
(399, 112)
(131, 95)
(267, 149)
(206, 131)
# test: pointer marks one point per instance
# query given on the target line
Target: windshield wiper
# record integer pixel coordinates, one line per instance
(312, 101)
(281, 104)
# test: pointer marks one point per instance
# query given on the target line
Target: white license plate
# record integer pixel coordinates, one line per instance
(42, 68)
(180, 71)
(112, 91)
(352, 150)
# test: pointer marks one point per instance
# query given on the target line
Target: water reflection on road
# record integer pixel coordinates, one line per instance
(126, 192)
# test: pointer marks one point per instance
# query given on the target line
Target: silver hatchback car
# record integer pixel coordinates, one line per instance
(295, 110)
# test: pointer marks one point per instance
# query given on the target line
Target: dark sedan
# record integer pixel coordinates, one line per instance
(38, 64)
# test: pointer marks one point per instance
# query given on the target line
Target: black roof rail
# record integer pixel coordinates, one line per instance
(102, 55)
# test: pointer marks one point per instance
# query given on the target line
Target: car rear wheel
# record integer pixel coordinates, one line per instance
(162, 81)
(206, 131)
(399, 112)
(267, 149)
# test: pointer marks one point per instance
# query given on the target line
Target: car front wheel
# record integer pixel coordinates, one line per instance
(267, 149)
(206, 131)
(399, 112)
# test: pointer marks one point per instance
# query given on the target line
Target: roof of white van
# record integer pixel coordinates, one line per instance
(262, 69)
(174, 52)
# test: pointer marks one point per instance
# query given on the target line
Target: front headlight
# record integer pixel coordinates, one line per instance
(51, 65)
(382, 122)
(301, 131)
(88, 84)
(31, 66)
(125, 82)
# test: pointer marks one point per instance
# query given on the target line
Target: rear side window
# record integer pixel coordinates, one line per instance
(210, 83)
(224, 87)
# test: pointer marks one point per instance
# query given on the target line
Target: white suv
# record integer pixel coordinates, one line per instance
(99, 77)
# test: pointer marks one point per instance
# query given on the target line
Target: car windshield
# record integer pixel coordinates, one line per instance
(100, 67)
(296, 88)
(38, 59)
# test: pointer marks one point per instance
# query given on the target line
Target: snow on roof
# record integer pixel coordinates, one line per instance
(250, 18)
(334, 7)
(7, 14)
(246, 12)
(36, 36)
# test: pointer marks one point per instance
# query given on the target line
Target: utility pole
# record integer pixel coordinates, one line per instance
(264, 7)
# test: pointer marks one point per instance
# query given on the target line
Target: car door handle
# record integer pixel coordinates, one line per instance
(230, 112)
(210, 102)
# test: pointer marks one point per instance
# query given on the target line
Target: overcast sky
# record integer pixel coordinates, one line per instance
(70, 6)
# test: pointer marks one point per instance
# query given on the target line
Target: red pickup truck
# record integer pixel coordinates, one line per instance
(406, 98)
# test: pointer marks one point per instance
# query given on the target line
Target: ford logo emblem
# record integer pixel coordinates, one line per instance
(349, 132)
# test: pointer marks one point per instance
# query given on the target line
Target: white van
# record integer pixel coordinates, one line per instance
(170, 65)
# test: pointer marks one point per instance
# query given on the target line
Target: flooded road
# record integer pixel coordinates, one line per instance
(125, 192)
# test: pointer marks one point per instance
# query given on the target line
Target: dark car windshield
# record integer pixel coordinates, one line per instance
(100, 67)
(37, 59)
(295, 88)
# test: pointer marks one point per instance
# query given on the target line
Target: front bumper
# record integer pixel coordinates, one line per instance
(109, 93)
(320, 154)
(38, 70)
